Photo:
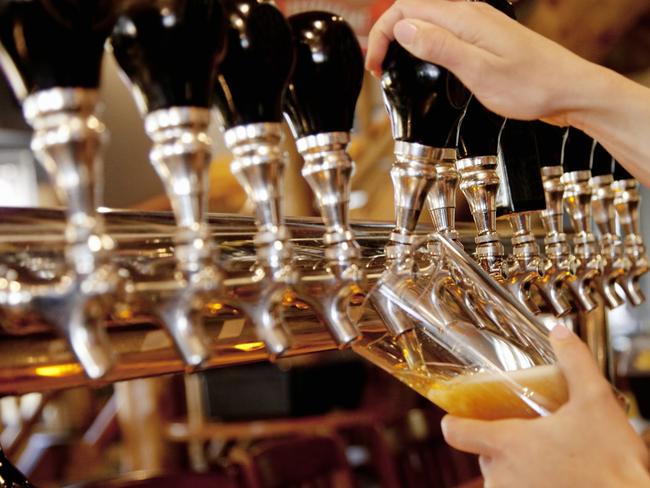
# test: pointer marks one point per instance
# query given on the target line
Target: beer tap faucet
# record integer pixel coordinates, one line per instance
(626, 202)
(319, 106)
(259, 41)
(169, 50)
(558, 274)
(52, 53)
(478, 141)
(615, 263)
(522, 194)
(424, 103)
(578, 147)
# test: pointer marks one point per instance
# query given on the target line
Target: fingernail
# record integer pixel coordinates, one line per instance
(444, 425)
(405, 32)
(560, 332)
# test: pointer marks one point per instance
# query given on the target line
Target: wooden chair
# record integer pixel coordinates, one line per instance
(228, 478)
(303, 461)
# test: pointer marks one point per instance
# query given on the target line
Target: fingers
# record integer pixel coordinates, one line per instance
(580, 370)
(473, 436)
(460, 18)
(435, 44)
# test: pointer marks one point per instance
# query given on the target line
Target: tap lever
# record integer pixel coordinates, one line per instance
(169, 50)
(521, 188)
(53, 66)
(319, 106)
(423, 100)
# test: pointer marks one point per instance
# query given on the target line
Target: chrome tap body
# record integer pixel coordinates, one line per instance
(615, 263)
(171, 67)
(67, 140)
(181, 156)
(328, 169)
(479, 182)
(626, 202)
(559, 270)
(258, 164)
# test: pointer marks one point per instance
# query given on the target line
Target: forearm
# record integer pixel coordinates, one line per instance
(616, 112)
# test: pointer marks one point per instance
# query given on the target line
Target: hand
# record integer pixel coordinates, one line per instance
(512, 70)
(588, 442)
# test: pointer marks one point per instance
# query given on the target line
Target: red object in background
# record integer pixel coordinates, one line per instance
(360, 14)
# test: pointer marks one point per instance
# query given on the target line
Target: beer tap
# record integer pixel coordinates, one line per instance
(522, 194)
(52, 53)
(615, 263)
(259, 41)
(626, 202)
(319, 106)
(424, 103)
(169, 50)
(578, 147)
(559, 272)
(478, 141)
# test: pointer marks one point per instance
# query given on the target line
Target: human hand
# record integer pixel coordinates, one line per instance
(588, 442)
(509, 68)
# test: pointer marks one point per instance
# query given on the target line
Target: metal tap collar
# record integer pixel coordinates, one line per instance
(601, 181)
(174, 117)
(625, 185)
(325, 139)
(414, 150)
(576, 177)
(247, 132)
(55, 100)
(552, 171)
(477, 163)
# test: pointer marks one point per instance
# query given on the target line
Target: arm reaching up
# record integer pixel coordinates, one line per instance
(520, 74)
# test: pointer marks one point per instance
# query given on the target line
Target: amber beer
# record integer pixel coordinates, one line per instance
(493, 395)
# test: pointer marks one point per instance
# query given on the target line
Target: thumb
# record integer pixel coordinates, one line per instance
(473, 436)
(434, 44)
(578, 366)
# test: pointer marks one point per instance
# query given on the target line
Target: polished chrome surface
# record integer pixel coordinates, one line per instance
(529, 267)
(258, 164)
(328, 170)
(413, 174)
(442, 196)
(590, 264)
(67, 140)
(479, 182)
(559, 272)
(33, 245)
(626, 202)
(181, 156)
(615, 263)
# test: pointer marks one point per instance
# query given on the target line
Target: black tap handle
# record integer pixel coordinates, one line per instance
(478, 131)
(620, 173)
(10, 477)
(424, 101)
(550, 141)
(578, 147)
(260, 58)
(327, 78)
(504, 6)
(54, 43)
(522, 188)
(602, 162)
(170, 50)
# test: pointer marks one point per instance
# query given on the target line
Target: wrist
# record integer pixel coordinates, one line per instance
(591, 96)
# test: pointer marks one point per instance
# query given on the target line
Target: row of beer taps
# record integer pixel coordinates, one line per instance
(244, 58)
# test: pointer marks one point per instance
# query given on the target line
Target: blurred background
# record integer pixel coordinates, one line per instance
(385, 431)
